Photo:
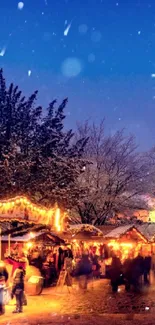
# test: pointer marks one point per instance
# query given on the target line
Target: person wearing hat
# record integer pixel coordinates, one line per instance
(18, 288)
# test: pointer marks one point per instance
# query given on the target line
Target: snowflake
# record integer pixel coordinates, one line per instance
(2, 52)
(83, 29)
(29, 73)
(20, 5)
(66, 31)
(71, 67)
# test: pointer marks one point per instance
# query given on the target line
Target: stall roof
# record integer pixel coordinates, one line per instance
(35, 236)
(147, 230)
(24, 238)
(82, 232)
(119, 231)
(106, 229)
(90, 229)
(87, 227)
(22, 229)
(48, 237)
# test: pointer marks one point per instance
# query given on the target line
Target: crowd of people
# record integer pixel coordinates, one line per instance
(134, 271)
(17, 289)
(82, 265)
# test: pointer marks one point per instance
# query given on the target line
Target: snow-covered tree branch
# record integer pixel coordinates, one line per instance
(116, 177)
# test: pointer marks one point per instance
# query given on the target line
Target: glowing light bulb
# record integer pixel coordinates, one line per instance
(57, 220)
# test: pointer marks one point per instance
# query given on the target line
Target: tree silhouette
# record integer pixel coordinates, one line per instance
(38, 157)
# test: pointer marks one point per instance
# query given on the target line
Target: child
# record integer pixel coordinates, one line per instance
(18, 288)
(3, 279)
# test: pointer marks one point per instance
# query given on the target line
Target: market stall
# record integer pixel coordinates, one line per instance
(86, 239)
(125, 240)
(33, 251)
(148, 231)
(18, 240)
(82, 238)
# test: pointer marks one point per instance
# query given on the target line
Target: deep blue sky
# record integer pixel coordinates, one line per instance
(112, 45)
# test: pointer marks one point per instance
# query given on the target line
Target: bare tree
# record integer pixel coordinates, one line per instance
(115, 178)
(150, 160)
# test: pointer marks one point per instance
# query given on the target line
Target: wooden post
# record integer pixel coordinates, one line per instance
(9, 244)
(0, 244)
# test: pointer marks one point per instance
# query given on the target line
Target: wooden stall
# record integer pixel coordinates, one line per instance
(23, 218)
(82, 238)
(126, 240)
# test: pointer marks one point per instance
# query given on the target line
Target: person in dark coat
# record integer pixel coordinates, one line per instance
(60, 259)
(18, 288)
(137, 271)
(4, 275)
(83, 271)
(147, 269)
(95, 264)
(115, 272)
(127, 272)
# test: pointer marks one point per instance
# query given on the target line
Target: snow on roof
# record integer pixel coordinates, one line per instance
(24, 238)
(106, 229)
(85, 227)
(119, 231)
(147, 230)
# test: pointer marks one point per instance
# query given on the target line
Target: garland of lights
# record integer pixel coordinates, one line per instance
(87, 228)
(29, 212)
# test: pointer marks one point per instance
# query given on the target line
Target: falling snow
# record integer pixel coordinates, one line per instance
(29, 73)
(83, 29)
(96, 36)
(64, 48)
(20, 5)
(2, 52)
(71, 67)
(66, 31)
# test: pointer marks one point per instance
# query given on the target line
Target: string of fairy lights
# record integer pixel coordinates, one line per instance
(21, 205)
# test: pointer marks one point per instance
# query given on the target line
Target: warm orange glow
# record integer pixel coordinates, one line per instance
(117, 245)
(57, 219)
(21, 208)
(126, 245)
(31, 234)
(152, 216)
(113, 244)
(29, 245)
(108, 261)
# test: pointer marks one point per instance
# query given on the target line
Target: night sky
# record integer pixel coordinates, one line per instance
(101, 56)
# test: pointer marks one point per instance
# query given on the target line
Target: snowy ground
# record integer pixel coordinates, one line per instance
(97, 306)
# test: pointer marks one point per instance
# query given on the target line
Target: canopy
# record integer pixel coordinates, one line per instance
(83, 232)
(21, 229)
(23, 210)
(128, 231)
(41, 236)
(48, 238)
